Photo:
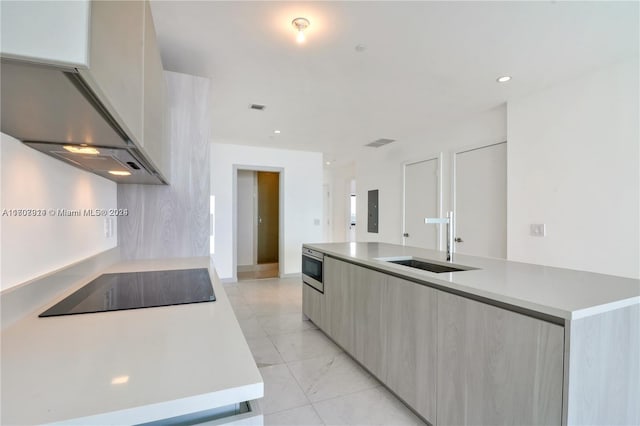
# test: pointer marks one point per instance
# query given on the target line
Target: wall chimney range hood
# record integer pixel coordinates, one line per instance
(52, 110)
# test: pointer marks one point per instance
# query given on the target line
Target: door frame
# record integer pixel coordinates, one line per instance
(234, 215)
(438, 158)
(454, 156)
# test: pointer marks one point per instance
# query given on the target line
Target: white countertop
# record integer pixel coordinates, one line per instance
(177, 360)
(562, 293)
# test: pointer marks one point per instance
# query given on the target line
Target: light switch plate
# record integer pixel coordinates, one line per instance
(537, 229)
(108, 227)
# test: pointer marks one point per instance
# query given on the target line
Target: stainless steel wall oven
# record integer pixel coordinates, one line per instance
(312, 268)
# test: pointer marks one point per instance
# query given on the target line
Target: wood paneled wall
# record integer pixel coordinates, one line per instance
(173, 220)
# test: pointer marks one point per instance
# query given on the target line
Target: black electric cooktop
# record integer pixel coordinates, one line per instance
(133, 290)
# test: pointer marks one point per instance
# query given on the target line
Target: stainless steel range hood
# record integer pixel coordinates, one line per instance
(51, 110)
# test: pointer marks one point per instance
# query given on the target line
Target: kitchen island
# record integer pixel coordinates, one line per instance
(499, 343)
(131, 366)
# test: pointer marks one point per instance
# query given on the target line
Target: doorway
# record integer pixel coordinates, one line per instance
(258, 224)
(422, 191)
(480, 200)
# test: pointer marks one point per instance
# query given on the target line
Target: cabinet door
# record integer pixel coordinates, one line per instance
(154, 136)
(370, 331)
(354, 312)
(313, 305)
(411, 344)
(339, 303)
(116, 61)
(496, 367)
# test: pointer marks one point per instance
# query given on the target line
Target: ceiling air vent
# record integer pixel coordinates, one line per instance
(257, 107)
(380, 142)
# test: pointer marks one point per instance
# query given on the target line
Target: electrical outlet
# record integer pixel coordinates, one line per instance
(108, 227)
(537, 230)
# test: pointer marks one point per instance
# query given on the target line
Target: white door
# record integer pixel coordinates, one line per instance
(421, 199)
(481, 201)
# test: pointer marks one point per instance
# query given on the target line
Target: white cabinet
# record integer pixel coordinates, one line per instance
(155, 138)
(115, 61)
(112, 46)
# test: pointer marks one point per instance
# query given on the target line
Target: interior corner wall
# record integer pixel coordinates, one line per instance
(302, 200)
(574, 165)
(382, 168)
(33, 246)
(173, 220)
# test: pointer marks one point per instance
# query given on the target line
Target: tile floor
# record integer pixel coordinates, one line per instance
(308, 380)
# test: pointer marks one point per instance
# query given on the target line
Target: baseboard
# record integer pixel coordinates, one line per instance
(292, 275)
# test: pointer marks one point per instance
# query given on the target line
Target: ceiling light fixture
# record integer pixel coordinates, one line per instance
(328, 163)
(277, 132)
(503, 79)
(300, 24)
(119, 173)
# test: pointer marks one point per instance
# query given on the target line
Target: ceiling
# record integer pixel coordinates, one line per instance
(424, 63)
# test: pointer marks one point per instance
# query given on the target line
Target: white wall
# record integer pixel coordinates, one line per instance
(33, 246)
(573, 164)
(302, 200)
(246, 217)
(381, 168)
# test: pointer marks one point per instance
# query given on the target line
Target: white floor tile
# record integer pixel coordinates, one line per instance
(281, 391)
(251, 327)
(331, 376)
(303, 345)
(301, 416)
(370, 407)
(284, 323)
(264, 352)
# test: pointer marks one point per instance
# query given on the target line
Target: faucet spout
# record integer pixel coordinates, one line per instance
(451, 225)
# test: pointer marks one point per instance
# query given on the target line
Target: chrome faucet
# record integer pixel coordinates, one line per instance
(451, 229)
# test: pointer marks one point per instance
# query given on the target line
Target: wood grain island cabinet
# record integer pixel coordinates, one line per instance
(453, 360)
(496, 366)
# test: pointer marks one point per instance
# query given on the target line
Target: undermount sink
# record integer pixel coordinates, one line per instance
(437, 268)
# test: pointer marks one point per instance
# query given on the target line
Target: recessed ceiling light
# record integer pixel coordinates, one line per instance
(328, 163)
(503, 79)
(277, 132)
(120, 380)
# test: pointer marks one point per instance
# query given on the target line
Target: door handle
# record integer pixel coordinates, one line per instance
(458, 240)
